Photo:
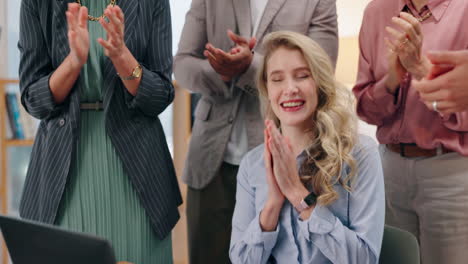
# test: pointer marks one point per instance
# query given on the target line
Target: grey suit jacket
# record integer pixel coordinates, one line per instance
(131, 122)
(208, 21)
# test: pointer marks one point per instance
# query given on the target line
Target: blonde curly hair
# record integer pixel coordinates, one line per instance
(335, 121)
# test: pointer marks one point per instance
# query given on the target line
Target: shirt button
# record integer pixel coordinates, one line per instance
(230, 119)
(62, 122)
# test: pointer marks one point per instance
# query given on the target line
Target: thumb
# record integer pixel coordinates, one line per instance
(252, 43)
(236, 38)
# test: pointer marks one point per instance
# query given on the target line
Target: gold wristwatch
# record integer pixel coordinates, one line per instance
(136, 73)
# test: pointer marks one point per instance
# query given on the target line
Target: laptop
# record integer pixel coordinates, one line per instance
(31, 242)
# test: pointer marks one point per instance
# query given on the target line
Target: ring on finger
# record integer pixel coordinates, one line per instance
(434, 106)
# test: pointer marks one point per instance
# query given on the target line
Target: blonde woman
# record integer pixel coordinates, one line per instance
(313, 192)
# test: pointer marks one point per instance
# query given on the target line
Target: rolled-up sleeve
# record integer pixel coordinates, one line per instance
(156, 91)
(456, 121)
(192, 70)
(249, 244)
(374, 102)
(35, 66)
(361, 240)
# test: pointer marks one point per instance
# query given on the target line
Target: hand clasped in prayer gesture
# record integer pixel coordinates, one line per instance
(78, 36)
(284, 165)
(275, 196)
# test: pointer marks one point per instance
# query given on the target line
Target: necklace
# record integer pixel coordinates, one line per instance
(112, 3)
(422, 18)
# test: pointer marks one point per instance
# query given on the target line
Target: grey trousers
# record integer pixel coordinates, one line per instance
(209, 218)
(429, 198)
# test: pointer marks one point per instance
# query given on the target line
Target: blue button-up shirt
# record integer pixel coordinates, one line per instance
(349, 230)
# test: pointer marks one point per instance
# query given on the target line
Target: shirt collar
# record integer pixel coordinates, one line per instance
(437, 7)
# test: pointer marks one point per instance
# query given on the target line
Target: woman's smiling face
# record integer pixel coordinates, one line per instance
(291, 90)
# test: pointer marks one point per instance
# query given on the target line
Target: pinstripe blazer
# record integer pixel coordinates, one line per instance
(208, 21)
(131, 122)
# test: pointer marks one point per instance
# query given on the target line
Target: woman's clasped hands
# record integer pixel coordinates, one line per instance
(281, 170)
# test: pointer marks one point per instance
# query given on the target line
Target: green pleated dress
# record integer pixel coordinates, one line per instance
(99, 198)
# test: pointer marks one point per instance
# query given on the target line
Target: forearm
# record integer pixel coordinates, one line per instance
(62, 80)
(391, 84)
(269, 216)
(124, 64)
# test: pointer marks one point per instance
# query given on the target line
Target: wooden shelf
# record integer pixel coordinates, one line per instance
(19, 142)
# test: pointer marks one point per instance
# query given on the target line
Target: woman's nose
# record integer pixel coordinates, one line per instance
(291, 87)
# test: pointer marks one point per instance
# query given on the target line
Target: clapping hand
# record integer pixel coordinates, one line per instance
(115, 28)
(445, 83)
(232, 63)
(78, 36)
(406, 42)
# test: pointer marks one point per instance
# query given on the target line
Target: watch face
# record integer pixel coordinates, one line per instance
(137, 72)
(310, 199)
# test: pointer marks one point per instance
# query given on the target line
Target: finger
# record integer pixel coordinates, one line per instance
(83, 18)
(446, 57)
(236, 38)
(252, 43)
(74, 8)
(234, 51)
(217, 53)
(277, 139)
(70, 20)
(273, 150)
(210, 56)
(413, 21)
(71, 15)
(271, 140)
(391, 47)
(267, 152)
(72, 40)
(106, 26)
(222, 56)
(397, 35)
(113, 21)
(424, 87)
(439, 96)
(105, 44)
(288, 143)
(119, 13)
(442, 106)
(214, 64)
(406, 27)
(439, 69)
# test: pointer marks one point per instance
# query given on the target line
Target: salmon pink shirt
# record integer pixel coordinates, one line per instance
(404, 118)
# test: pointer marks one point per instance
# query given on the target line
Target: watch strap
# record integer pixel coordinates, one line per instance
(306, 203)
(132, 76)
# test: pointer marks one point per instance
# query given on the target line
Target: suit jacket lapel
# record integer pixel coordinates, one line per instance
(243, 17)
(131, 10)
(271, 9)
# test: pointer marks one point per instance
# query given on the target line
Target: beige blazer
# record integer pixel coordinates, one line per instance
(208, 21)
